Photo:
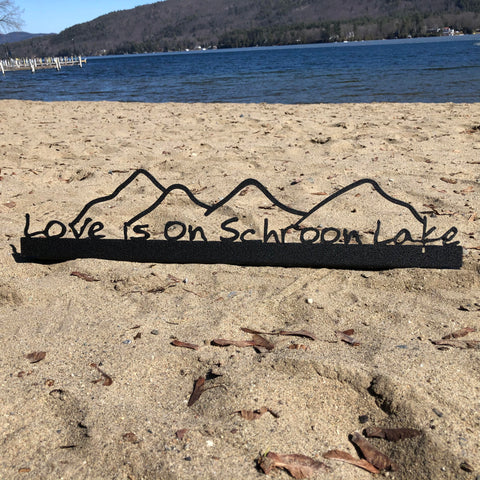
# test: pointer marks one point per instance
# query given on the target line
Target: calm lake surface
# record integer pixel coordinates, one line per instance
(440, 69)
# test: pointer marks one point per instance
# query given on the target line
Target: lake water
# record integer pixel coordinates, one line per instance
(440, 69)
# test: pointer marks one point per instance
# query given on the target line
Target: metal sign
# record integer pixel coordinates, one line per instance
(229, 239)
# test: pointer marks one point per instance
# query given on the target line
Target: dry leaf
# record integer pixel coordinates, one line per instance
(432, 207)
(130, 437)
(299, 466)
(84, 276)
(371, 454)
(249, 330)
(156, 290)
(222, 342)
(456, 343)
(346, 457)
(297, 346)
(24, 470)
(392, 434)
(459, 333)
(256, 414)
(107, 379)
(262, 342)
(180, 434)
(466, 467)
(257, 341)
(35, 357)
(448, 180)
(299, 333)
(10, 204)
(252, 414)
(173, 279)
(346, 337)
(178, 343)
(198, 389)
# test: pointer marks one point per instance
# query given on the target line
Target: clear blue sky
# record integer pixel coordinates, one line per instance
(53, 16)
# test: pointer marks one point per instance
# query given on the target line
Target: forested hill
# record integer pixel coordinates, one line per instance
(182, 24)
(17, 36)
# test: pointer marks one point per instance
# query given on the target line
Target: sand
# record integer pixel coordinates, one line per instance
(58, 421)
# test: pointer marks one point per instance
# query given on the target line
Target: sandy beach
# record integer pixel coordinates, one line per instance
(109, 399)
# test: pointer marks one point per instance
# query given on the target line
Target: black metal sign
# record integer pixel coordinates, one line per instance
(297, 243)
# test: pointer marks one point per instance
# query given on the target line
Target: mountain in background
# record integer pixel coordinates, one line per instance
(189, 24)
(17, 36)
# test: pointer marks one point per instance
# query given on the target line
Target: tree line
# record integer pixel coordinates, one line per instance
(173, 25)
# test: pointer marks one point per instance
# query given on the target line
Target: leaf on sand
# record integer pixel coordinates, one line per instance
(299, 466)
(448, 180)
(178, 343)
(130, 437)
(249, 330)
(180, 434)
(257, 341)
(84, 276)
(252, 414)
(35, 357)
(460, 333)
(371, 454)
(297, 346)
(198, 389)
(392, 434)
(456, 343)
(156, 290)
(346, 457)
(255, 414)
(107, 379)
(262, 342)
(346, 336)
(299, 333)
(222, 342)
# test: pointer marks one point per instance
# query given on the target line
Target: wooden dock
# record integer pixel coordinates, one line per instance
(34, 64)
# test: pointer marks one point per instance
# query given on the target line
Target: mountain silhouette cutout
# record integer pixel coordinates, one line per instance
(165, 192)
(118, 191)
(300, 216)
(255, 183)
(356, 185)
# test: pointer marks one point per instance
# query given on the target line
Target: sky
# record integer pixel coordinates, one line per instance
(53, 16)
